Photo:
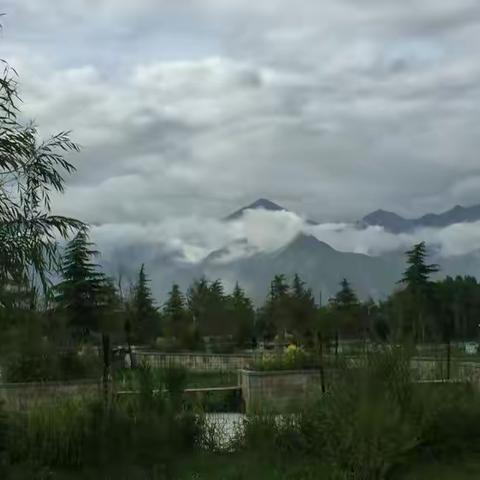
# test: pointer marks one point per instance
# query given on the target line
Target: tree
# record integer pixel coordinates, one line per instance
(87, 297)
(417, 275)
(79, 294)
(30, 171)
(177, 323)
(207, 305)
(345, 307)
(241, 316)
(145, 320)
(197, 299)
(302, 309)
(417, 295)
(275, 315)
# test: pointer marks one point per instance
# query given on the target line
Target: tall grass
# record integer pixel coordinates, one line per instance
(373, 419)
(148, 431)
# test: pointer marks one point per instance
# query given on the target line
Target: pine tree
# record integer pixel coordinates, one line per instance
(302, 309)
(87, 297)
(79, 294)
(345, 306)
(216, 322)
(418, 294)
(145, 324)
(346, 299)
(275, 315)
(279, 288)
(241, 316)
(197, 301)
(175, 314)
(417, 274)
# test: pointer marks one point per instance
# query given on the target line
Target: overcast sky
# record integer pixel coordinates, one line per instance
(331, 108)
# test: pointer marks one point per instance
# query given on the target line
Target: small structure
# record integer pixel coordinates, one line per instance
(276, 390)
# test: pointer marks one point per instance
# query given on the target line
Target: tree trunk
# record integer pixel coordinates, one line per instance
(322, 370)
(106, 366)
(130, 353)
(448, 358)
(336, 344)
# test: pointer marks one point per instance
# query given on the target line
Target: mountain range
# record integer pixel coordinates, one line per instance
(394, 223)
(319, 264)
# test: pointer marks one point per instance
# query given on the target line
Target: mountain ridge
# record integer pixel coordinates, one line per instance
(394, 223)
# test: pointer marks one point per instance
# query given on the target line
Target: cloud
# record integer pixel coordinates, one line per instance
(194, 108)
(190, 240)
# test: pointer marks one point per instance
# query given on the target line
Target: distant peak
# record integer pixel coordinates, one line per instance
(264, 203)
(381, 214)
(261, 203)
(307, 241)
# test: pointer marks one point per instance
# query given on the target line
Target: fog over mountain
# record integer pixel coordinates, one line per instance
(263, 239)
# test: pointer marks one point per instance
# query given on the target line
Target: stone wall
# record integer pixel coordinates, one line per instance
(276, 390)
(20, 396)
(195, 361)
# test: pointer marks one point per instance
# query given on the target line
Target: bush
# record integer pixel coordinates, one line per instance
(46, 364)
(362, 424)
(293, 358)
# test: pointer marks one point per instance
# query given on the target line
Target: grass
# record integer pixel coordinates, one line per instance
(373, 423)
(465, 469)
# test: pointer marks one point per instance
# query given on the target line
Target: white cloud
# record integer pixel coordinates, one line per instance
(197, 107)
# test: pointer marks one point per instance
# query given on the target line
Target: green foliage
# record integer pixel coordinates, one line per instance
(30, 171)
(241, 315)
(208, 306)
(144, 319)
(149, 432)
(293, 358)
(417, 274)
(83, 291)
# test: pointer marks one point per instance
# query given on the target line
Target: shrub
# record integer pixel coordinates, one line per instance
(292, 358)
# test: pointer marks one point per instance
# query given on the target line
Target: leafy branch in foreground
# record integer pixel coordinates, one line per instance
(30, 172)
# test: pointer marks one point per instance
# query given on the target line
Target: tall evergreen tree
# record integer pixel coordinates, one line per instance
(175, 314)
(197, 301)
(302, 310)
(345, 299)
(275, 315)
(87, 297)
(417, 297)
(241, 316)
(79, 294)
(417, 275)
(216, 322)
(145, 323)
(345, 307)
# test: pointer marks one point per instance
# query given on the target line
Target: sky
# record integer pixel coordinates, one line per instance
(189, 109)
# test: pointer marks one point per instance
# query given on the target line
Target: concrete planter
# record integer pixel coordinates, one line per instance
(276, 390)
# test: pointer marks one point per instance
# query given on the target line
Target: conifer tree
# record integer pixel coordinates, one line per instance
(345, 307)
(302, 309)
(417, 297)
(241, 316)
(145, 322)
(80, 293)
(175, 314)
(275, 315)
(417, 275)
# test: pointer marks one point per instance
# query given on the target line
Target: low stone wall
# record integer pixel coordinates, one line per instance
(21, 396)
(195, 361)
(276, 389)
